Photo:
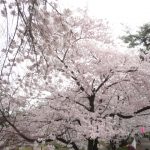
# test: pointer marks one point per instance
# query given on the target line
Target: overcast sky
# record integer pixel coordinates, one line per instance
(119, 12)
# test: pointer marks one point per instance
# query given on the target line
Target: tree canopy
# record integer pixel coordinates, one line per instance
(140, 38)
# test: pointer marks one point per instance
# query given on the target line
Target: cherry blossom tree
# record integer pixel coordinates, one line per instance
(61, 79)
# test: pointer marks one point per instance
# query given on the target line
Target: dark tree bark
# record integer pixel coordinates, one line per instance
(112, 145)
(91, 102)
(95, 144)
(92, 144)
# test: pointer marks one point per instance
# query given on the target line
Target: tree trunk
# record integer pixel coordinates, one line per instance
(95, 144)
(74, 146)
(112, 145)
(92, 144)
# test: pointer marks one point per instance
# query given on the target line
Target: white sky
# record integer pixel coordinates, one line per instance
(127, 12)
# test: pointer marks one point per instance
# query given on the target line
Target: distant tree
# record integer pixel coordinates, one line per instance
(140, 39)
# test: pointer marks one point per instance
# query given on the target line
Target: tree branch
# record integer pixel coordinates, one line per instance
(130, 116)
(82, 105)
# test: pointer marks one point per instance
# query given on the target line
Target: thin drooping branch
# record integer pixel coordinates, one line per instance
(16, 129)
(8, 48)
